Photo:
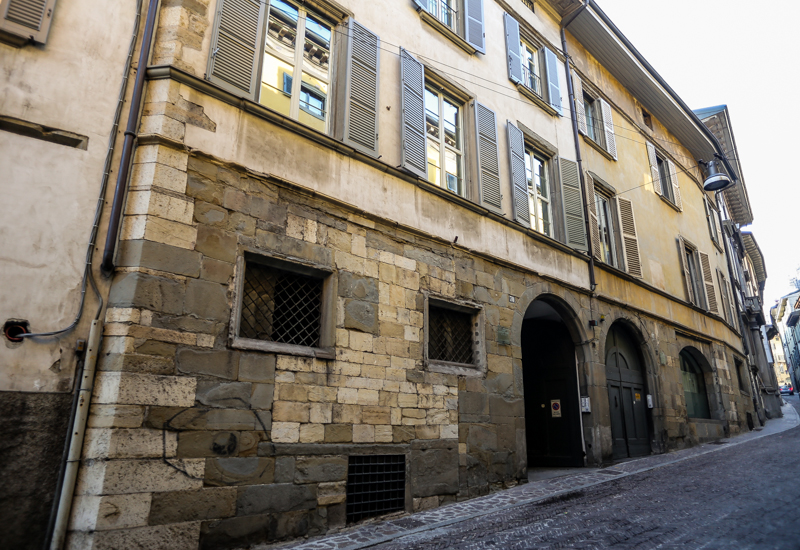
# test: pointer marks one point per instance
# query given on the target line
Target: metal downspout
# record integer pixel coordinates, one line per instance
(576, 135)
(107, 266)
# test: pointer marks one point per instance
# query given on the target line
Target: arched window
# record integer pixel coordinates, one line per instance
(694, 387)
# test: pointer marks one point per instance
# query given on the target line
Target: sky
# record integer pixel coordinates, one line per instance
(715, 52)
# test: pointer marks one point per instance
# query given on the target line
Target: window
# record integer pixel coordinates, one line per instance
(664, 176)
(694, 387)
(460, 20)
(443, 123)
(691, 273)
(536, 172)
(454, 337)
(376, 485)
(711, 218)
(594, 120)
(738, 367)
(648, 120)
(531, 75)
(664, 179)
(26, 20)
(608, 252)
(282, 306)
(304, 99)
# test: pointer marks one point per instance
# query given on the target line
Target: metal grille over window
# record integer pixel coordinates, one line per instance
(376, 485)
(450, 336)
(280, 306)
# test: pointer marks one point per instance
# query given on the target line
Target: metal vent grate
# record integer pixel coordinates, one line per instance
(376, 485)
(450, 335)
(280, 306)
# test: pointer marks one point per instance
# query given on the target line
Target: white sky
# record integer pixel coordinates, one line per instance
(715, 52)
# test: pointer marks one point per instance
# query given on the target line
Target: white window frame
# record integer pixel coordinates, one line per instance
(442, 95)
(601, 199)
(533, 194)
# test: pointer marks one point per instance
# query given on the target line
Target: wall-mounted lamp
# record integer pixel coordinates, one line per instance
(716, 180)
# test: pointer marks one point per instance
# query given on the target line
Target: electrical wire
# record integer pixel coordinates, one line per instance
(88, 277)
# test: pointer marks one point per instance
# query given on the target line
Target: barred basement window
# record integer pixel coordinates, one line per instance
(454, 337)
(282, 306)
(376, 485)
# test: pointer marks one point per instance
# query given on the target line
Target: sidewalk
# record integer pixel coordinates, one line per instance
(367, 535)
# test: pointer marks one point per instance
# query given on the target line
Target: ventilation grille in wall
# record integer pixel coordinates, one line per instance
(376, 485)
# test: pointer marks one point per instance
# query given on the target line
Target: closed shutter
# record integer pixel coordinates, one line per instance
(236, 45)
(488, 156)
(687, 276)
(513, 49)
(361, 119)
(553, 88)
(574, 222)
(473, 26)
(726, 305)
(519, 180)
(676, 189)
(593, 225)
(655, 177)
(412, 96)
(28, 19)
(580, 108)
(608, 123)
(630, 240)
(708, 284)
(729, 291)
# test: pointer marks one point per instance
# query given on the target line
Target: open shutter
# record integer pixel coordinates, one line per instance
(412, 97)
(553, 88)
(473, 26)
(361, 103)
(654, 175)
(608, 123)
(28, 20)
(708, 284)
(676, 189)
(574, 222)
(580, 109)
(726, 305)
(236, 46)
(519, 180)
(630, 241)
(729, 291)
(687, 276)
(488, 156)
(593, 225)
(513, 49)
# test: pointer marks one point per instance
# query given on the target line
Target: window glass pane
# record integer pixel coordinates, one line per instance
(317, 47)
(544, 217)
(587, 105)
(540, 177)
(452, 165)
(313, 102)
(663, 174)
(452, 130)
(276, 84)
(434, 161)
(282, 28)
(432, 113)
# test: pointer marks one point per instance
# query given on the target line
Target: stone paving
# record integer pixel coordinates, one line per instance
(514, 517)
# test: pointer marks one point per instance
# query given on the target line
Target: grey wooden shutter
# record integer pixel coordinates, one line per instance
(729, 290)
(473, 24)
(708, 284)
(608, 123)
(236, 46)
(726, 306)
(593, 224)
(630, 240)
(519, 180)
(28, 19)
(580, 108)
(676, 188)
(553, 87)
(488, 156)
(361, 103)
(513, 49)
(687, 276)
(654, 175)
(574, 222)
(412, 98)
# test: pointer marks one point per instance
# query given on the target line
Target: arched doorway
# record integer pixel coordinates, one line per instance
(549, 371)
(627, 396)
(694, 384)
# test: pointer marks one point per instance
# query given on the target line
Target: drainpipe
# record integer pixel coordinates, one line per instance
(107, 266)
(76, 438)
(576, 135)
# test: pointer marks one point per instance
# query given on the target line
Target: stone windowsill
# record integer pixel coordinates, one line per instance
(592, 143)
(285, 349)
(459, 369)
(669, 202)
(447, 32)
(530, 94)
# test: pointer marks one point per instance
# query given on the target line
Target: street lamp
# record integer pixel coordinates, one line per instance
(716, 180)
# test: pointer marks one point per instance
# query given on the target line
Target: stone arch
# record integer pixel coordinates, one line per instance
(690, 357)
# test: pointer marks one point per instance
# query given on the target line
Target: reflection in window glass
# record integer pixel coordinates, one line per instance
(443, 127)
(530, 68)
(538, 191)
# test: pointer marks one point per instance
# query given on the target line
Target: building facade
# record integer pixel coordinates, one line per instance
(416, 245)
(785, 316)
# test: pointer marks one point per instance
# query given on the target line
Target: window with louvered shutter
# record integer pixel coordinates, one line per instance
(655, 178)
(593, 224)
(361, 103)
(488, 156)
(553, 86)
(630, 240)
(412, 77)
(236, 46)
(708, 283)
(514, 59)
(519, 181)
(608, 124)
(24, 20)
(726, 305)
(473, 24)
(572, 200)
(580, 109)
(676, 189)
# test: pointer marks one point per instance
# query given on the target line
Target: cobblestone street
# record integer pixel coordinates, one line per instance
(712, 496)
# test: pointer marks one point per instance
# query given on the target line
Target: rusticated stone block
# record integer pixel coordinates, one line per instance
(276, 498)
(206, 300)
(256, 367)
(249, 470)
(160, 257)
(361, 316)
(181, 536)
(147, 291)
(357, 287)
(225, 395)
(181, 506)
(319, 469)
(434, 468)
(197, 444)
(338, 433)
(222, 364)
(215, 243)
